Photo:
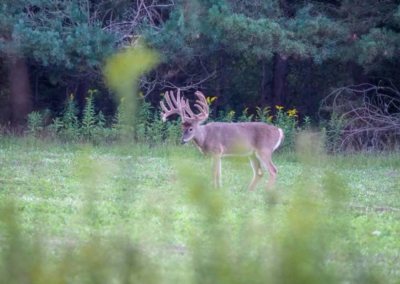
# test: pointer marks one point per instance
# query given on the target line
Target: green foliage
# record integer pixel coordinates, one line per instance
(262, 115)
(143, 119)
(121, 124)
(306, 123)
(54, 128)
(56, 34)
(261, 33)
(89, 117)
(70, 130)
(35, 123)
(333, 133)
(148, 128)
(288, 122)
(174, 131)
(245, 117)
(226, 115)
(156, 129)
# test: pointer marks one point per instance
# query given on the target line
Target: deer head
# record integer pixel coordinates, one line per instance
(190, 120)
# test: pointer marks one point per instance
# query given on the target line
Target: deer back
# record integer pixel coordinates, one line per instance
(238, 139)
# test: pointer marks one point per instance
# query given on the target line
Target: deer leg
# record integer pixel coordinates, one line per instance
(257, 171)
(217, 171)
(265, 160)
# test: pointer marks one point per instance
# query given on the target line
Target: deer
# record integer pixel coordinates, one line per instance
(255, 140)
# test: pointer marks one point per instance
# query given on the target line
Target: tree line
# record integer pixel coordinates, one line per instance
(248, 54)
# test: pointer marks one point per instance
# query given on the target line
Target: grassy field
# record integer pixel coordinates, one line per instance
(134, 214)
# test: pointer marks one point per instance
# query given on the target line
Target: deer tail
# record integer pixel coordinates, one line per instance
(280, 139)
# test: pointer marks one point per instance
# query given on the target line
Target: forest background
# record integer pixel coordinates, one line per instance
(249, 57)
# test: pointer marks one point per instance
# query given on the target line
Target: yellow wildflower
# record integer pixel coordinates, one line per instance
(232, 112)
(278, 107)
(246, 109)
(141, 94)
(87, 98)
(270, 117)
(210, 99)
(71, 96)
(123, 99)
(162, 94)
(292, 112)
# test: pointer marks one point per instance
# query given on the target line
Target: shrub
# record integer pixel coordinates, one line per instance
(333, 133)
(288, 122)
(88, 123)
(35, 123)
(262, 114)
(70, 123)
(245, 117)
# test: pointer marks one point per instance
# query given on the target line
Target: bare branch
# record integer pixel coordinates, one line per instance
(370, 115)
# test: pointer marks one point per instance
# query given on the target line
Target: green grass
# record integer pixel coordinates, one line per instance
(93, 204)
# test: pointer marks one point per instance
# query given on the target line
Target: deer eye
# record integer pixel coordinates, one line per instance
(190, 129)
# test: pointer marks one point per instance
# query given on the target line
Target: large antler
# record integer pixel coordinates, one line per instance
(201, 104)
(181, 106)
(175, 105)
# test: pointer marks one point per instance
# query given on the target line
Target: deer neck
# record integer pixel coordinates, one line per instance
(200, 137)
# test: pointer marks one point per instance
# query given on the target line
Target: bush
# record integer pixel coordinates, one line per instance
(35, 123)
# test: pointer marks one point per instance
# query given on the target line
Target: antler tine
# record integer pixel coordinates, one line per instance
(202, 106)
(189, 110)
(174, 105)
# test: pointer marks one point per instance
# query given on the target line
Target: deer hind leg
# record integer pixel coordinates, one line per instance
(265, 160)
(257, 171)
(217, 171)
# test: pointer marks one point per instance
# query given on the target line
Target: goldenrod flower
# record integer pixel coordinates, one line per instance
(162, 94)
(123, 99)
(71, 96)
(292, 112)
(278, 107)
(246, 109)
(270, 117)
(210, 99)
(141, 94)
(231, 112)
(87, 98)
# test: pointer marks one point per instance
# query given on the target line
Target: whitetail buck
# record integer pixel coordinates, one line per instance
(255, 140)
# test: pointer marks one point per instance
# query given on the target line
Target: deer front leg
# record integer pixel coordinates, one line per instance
(217, 171)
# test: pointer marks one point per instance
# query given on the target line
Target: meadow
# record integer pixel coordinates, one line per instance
(126, 213)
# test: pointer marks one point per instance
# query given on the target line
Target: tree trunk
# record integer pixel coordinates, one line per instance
(278, 88)
(20, 91)
(357, 73)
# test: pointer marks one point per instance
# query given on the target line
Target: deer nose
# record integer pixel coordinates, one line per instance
(183, 141)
